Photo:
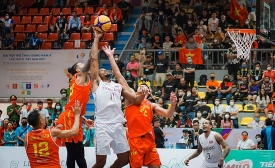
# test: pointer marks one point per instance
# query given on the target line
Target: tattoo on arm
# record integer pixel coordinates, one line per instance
(86, 67)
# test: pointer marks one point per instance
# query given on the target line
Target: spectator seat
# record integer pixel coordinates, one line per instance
(246, 120)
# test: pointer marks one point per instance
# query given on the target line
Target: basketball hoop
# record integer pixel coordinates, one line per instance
(243, 39)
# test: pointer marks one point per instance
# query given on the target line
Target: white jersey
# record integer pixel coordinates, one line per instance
(108, 103)
(211, 150)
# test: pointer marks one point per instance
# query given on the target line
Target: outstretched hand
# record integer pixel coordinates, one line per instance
(97, 34)
(173, 98)
(77, 108)
(108, 51)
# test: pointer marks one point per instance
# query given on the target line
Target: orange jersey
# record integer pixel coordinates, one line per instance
(271, 75)
(80, 93)
(41, 149)
(139, 119)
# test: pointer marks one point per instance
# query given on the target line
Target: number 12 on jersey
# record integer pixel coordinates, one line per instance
(41, 149)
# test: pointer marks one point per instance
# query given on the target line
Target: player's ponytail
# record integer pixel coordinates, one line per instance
(72, 70)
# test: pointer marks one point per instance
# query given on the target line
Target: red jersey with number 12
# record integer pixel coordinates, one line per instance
(41, 149)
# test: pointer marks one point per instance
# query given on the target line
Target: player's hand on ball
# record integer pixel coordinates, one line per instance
(97, 34)
(186, 162)
(77, 108)
(173, 98)
(108, 51)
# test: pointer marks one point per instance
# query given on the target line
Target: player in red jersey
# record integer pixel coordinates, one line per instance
(41, 146)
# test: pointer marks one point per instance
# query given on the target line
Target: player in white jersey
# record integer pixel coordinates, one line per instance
(210, 143)
(109, 118)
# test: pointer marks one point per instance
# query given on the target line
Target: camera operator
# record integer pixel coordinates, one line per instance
(194, 136)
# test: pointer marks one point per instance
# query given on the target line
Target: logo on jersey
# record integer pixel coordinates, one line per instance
(208, 148)
(210, 141)
(247, 163)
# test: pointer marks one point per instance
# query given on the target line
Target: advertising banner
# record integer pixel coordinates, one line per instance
(37, 73)
(232, 136)
(15, 157)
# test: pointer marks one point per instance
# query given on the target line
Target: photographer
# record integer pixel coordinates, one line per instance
(194, 136)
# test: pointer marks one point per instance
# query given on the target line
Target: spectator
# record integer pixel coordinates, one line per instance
(168, 86)
(8, 43)
(268, 134)
(219, 35)
(35, 42)
(148, 10)
(167, 45)
(3, 30)
(267, 86)
(13, 110)
(177, 73)
(10, 136)
(57, 111)
(142, 23)
(233, 62)
(243, 71)
(143, 44)
(50, 110)
(171, 122)
(58, 3)
(51, 23)
(191, 44)
(202, 28)
(14, 126)
(190, 102)
(157, 44)
(8, 22)
(217, 112)
(253, 89)
(257, 73)
(87, 24)
(215, 54)
(89, 137)
(133, 67)
(104, 11)
(226, 43)
(234, 111)
(74, 23)
(124, 6)
(271, 107)
(5, 124)
(245, 143)
(189, 72)
(156, 29)
(159, 134)
(130, 79)
(251, 8)
(175, 30)
(196, 98)
(181, 104)
(185, 137)
(148, 69)
(189, 30)
(182, 19)
(197, 37)
(162, 67)
(204, 17)
(213, 23)
(226, 122)
(237, 24)
(256, 123)
(242, 90)
(223, 24)
(199, 118)
(176, 45)
(11, 8)
(22, 131)
(212, 88)
(44, 112)
(195, 19)
(269, 72)
(119, 64)
(205, 110)
(141, 59)
(260, 142)
(25, 112)
(246, 24)
(225, 89)
(155, 11)
(64, 97)
(166, 30)
(61, 24)
(161, 17)
(262, 102)
(195, 134)
(168, 12)
(145, 35)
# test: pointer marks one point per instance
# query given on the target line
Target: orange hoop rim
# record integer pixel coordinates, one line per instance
(249, 31)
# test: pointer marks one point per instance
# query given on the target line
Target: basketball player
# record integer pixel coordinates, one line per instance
(40, 144)
(80, 87)
(139, 118)
(109, 118)
(210, 144)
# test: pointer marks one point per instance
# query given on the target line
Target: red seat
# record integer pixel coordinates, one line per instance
(86, 37)
(74, 36)
(33, 11)
(107, 2)
(97, 9)
(46, 46)
(26, 20)
(28, 4)
(108, 37)
(18, 2)
(79, 11)
(68, 45)
(101, 44)
(89, 10)
(56, 11)
(82, 18)
(43, 36)
(66, 11)
(53, 37)
(19, 28)
(116, 1)
(16, 19)
(93, 17)
(113, 28)
(22, 11)
(30, 28)
(50, 3)
(46, 20)
(19, 37)
(37, 20)
(72, 2)
(44, 11)
(42, 28)
(82, 45)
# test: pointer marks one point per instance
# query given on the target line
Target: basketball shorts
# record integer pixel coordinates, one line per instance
(110, 135)
(66, 118)
(143, 151)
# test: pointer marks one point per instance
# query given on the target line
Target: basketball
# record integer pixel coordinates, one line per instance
(102, 23)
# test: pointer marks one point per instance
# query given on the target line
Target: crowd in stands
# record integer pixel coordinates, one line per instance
(57, 24)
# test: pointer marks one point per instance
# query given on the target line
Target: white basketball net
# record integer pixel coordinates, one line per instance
(243, 42)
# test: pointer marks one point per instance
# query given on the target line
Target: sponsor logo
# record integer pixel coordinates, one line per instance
(23, 92)
(247, 163)
(35, 86)
(14, 86)
(7, 86)
(28, 86)
(29, 92)
(80, 56)
(42, 86)
(22, 86)
(209, 148)
(210, 141)
(48, 85)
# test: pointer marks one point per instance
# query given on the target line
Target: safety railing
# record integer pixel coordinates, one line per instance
(211, 57)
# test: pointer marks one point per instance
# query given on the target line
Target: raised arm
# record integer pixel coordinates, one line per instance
(121, 80)
(225, 146)
(170, 111)
(132, 97)
(94, 67)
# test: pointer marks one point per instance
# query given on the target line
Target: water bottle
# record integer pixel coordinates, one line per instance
(174, 145)
(170, 145)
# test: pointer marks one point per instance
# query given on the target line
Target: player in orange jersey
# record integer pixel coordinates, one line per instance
(40, 144)
(141, 137)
